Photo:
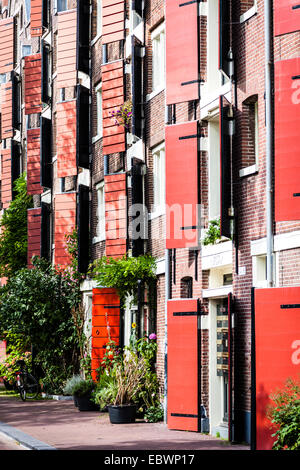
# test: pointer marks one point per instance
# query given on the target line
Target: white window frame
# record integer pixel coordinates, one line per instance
(248, 14)
(99, 18)
(158, 59)
(159, 181)
(250, 170)
(100, 230)
(98, 92)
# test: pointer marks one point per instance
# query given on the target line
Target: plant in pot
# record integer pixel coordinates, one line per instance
(82, 392)
(69, 387)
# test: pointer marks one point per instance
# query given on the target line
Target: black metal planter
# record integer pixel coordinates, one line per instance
(85, 404)
(121, 414)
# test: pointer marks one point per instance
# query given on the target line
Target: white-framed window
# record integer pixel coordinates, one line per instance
(99, 109)
(252, 10)
(99, 18)
(159, 179)
(60, 5)
(100, 230)
(26, 50)
(27, 10)
(158, 58)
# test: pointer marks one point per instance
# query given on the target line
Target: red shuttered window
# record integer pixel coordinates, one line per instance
(33, 84)
(66, 139)
(65, 222)
(287, 140)
(182, 185)
(66, 49)
(112, 99)
(181, 51)
(34, 234)
(33, 162)
(6, 45)
(115, 214)
(286, 16)
(113, 20)
(36, 18)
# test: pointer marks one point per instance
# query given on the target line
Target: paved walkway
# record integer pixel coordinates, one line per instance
(51, 424)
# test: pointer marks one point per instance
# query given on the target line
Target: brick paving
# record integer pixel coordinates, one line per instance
(60, 425)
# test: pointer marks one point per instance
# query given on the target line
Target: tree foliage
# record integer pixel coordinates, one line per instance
(13, 237)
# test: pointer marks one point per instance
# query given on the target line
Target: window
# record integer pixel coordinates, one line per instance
(99, 18)
(26, 50)
(158, 58)
(100, 231)
(214, 193)
(2, 78)
(159, 179)
(248, 8)
(27, 9)
(61, 5)
(99, 110)
(250, 136)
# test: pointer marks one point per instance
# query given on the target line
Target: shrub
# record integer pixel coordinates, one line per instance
(70, 384)
(83, 388)
(285, 414)
(153, 414)
(213, 233)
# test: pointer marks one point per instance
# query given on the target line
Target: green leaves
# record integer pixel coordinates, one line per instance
(213, 233)
(13, 237)
(123, 273)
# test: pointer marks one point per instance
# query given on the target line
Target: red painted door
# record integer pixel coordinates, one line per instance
(276, 349)
(184, 383)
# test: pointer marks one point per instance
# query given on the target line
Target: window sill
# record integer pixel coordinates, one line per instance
(96, 138)
(248, 14)
(95, 39)
(249, 170)
(154, 93)
(98, 239)
(158, 213)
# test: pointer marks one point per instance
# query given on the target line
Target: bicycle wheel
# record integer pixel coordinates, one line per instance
(20, 387)
(30, 388)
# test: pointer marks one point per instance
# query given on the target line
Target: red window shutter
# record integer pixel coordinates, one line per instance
(34, 234)
(115, 215)
(286, 16)
(33, 162)
(183, 365)
(287, 140)
(113, 20)
(182, 69)
(6, 110)
(66, 49)
(33, 84)
(66, 138)
(112, 99)
(105, 323)
(65, 222)
(6, 188)
(36, 18)
(6, 45)
(277, 346)
(182, 185)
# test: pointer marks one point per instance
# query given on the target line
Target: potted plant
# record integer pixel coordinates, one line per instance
(82, 392)
(69, 387)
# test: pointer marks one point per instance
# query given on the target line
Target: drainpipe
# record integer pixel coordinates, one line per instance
(269, 138)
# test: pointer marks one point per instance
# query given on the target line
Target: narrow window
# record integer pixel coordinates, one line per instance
(100, 231)
(159, 179)
(158, 58)
(99, 110)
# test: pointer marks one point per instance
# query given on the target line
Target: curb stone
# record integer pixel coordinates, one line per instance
(24, 439)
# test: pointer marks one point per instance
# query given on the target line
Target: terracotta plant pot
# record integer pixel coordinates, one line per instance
(119, 414)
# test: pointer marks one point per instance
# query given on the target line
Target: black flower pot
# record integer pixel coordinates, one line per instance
(85, 404)
(120, 414)
(75, 401)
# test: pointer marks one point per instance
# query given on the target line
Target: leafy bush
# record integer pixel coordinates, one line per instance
(153, 414)
(70, 384)
(285, 414)
(13, 237)
(213, 233)
(83, 388)
(106, 390)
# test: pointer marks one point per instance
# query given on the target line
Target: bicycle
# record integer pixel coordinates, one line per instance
(27, 384)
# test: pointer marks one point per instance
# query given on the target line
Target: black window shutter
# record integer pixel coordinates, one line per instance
(224, 35)
(45, 13)
(15, 164)
(137, 5)
(46, 152)
(83, 35)
(83, 219)
(137, 198)
(46, 232)
(16, 109)
(137, 90)
(225, 169)
(83, 127)
(45, 72)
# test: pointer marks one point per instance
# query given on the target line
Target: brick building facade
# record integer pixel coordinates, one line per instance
(195, 75)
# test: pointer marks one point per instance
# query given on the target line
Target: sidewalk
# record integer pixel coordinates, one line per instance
(58, 425)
